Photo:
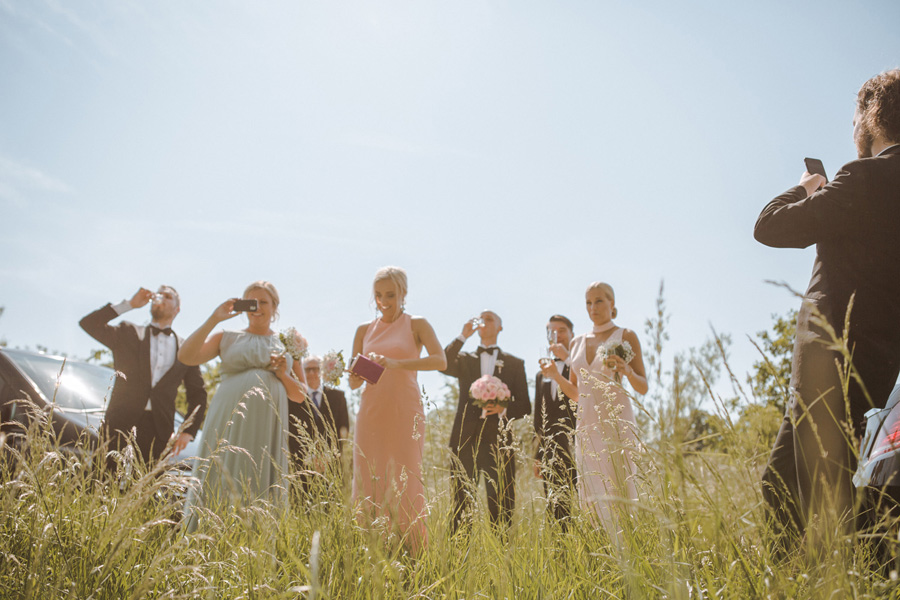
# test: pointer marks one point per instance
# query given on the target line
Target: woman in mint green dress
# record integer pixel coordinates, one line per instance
(244, 450)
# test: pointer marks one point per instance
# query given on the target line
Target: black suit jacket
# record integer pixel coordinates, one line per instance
(318, 422)
(130, 345)
(854, 222)
(554, 418)
(468, 426)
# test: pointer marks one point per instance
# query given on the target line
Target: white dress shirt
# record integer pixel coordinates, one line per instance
(163, 349)
(488, 361)
(560, 365)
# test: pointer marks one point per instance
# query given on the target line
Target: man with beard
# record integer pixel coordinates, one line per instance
(142, 402)
(853, 221)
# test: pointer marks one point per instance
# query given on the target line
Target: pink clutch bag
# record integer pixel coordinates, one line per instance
(366, 368)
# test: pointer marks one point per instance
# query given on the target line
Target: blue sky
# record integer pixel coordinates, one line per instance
(505, 153)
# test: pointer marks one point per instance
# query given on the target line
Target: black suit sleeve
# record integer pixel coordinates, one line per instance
(97, 326)
(518, 387)
(195, 390)
(452, 354)
(339, 411)
(539, 405)
(795, 220)
(338, 404)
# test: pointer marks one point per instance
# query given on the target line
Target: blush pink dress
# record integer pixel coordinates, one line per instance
(390, 437)
(605, 435)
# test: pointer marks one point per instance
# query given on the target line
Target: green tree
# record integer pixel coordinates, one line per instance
(673, 409)
(771, 375)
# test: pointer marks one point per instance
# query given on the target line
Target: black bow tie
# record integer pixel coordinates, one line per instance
(489, 349)
(156, 330)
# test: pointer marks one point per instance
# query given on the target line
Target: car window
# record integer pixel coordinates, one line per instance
(77, 385)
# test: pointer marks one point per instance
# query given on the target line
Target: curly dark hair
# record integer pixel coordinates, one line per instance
(878, 103)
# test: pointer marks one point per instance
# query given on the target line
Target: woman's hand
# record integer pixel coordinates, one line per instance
(617, 365)
(549, 370)
(355, 381)
(224, 311)
(384, 361)
(278, 365)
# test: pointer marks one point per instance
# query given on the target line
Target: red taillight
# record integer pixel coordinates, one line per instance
(888, 438)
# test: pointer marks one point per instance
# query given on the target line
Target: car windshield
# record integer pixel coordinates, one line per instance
(78, 386)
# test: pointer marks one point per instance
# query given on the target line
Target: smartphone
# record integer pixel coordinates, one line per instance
(815, 167)
(245, 306)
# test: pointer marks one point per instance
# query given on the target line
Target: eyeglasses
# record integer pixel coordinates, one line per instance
(308, 369)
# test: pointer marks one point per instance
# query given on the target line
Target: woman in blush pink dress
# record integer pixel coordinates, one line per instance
(390, 428)
(605, 429)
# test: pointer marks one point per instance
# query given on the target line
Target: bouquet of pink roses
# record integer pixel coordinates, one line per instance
(487, 391)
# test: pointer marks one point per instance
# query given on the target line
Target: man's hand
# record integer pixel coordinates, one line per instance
(181, 442)
(469, 328)
(493, 409)
(559, 351)
(812, 182)
(140, 298)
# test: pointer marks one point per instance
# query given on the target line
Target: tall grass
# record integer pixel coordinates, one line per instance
(696, 531)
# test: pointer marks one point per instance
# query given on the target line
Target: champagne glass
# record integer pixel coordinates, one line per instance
(546, 357)
(477, 323)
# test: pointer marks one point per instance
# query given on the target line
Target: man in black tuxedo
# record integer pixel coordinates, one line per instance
(320, 425)
(484, 444)
(854, 221)
(143, 397)
(554, 425)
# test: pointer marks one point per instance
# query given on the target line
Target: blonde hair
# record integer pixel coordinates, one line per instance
(269, 288)
(395, 274)
(607, 291)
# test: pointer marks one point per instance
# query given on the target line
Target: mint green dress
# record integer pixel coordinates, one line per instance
(244, 449)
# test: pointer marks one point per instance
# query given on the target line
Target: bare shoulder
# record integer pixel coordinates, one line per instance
(419, 321)
(630, 336)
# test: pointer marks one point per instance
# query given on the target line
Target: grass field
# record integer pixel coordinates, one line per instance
(697, 531)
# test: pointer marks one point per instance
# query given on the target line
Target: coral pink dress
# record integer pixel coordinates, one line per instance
(390, 436)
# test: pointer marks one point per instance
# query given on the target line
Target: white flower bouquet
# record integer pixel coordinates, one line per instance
(294, 343)
(333, 367)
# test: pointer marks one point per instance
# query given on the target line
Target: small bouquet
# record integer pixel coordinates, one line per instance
(487, 391)
(294, 343)
(621, 349)
(333, 367)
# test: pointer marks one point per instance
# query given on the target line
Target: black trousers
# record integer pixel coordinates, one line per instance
(811, 465)
(147, 442)
(559, 477)
(498, 466)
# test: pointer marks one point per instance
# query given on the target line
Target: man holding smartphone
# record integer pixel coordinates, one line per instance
(143, 397)
(853, 221)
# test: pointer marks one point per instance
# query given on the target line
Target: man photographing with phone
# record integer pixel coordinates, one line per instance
(853, 221)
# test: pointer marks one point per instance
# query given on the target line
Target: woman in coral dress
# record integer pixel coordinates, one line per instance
(390, 428)
(605, 429)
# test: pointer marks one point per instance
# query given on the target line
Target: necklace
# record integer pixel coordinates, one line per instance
(605, 327)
